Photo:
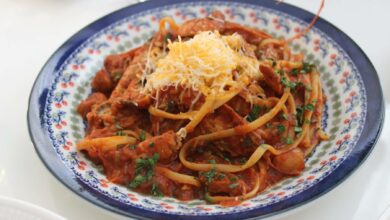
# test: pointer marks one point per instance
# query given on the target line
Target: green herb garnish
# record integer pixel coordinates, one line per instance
(209, 175)
(137, 181)
(133, 146)
(254, 114)
(287, 83)
(298, 129)
(242, 160)
(120, 133)
(280, 128)
(279, 72)
(144, 170)
(168, 36)
(233, 185)
(221, 176)
(273, 61)
(117, 76)
(233, 179)
(118, 125)
(299, 115)
(307, 68)
(289, 140)
(284, 116)
(309, 107)
(294, 72)
(155, 191)
(142, 136)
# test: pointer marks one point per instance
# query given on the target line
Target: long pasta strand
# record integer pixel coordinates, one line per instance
(178, 177)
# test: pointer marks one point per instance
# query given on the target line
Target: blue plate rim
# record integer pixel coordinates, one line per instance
(371, 129)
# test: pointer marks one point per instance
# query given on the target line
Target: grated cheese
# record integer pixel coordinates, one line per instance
(205, 63)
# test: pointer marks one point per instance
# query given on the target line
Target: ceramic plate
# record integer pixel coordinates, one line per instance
(11, 209)
(353, 113)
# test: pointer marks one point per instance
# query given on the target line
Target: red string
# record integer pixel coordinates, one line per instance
(307, 29)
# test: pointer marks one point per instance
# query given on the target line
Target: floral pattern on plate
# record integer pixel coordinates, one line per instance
(344, 113)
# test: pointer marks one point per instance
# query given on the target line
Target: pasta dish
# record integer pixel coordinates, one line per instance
(208, 109)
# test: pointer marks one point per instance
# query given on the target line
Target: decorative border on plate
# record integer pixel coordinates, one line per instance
(331, 164)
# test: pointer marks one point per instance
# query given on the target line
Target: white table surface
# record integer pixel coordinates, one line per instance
(31, 30)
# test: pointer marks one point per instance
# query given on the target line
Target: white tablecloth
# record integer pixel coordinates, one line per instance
(30, 31)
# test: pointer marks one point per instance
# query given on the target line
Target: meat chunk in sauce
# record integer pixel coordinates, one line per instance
(102, 82)
(116, 64)
(132, 94)
(229, 183)
(86, 105)
(224, 118)
(213, 23)
(252, 36)
(223, 184)
(166, 145)
(291, 162)
(216, 22)
(271, 78)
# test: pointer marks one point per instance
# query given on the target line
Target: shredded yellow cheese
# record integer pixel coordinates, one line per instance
(209, 63)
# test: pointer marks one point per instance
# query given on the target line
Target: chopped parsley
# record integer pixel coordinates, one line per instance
(298, 129)
(233, 179)
(226, 159)
(133, 146)
(273, 61)
(309, 107)
(294, 72)
(118, 125)
(168, 36)
(284, 116)
(279, 72)
(254, 114)
(242, 160)
(142, 136)
(289, 140)
(300, 84)
(155, 191)
(299, 115)
(117, 76)
(221, 176)
(280, 128)
(209, 175)
(233, 185)
(307, 68)
(120, 133)
(144, 170)
(212, 162)
(287, 83)
(146, 163)
(151, 144)
(286, 140)
(138, 179)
